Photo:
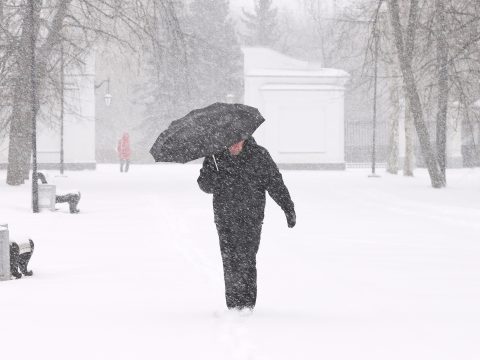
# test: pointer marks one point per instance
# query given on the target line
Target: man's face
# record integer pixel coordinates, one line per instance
(235, 149)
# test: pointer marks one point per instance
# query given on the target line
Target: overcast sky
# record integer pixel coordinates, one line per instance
(248, 4)
(296, 6)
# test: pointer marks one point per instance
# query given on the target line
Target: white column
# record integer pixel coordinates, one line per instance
(4, 254)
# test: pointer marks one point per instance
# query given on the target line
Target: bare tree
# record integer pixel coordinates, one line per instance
(393, 151)
(405, 44)
(261, 25)
(77, 23)
(443, 85)
(432, 45)
(409, 126)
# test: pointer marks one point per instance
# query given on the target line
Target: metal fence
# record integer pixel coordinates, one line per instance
(359, 140)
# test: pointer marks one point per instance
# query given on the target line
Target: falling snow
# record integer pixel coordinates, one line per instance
(237, 243)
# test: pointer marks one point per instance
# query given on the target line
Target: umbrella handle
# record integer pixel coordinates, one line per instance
(215, 161)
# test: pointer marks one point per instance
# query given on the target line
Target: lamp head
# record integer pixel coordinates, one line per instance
(108, 99)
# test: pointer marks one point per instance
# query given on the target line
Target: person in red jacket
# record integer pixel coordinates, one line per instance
(124, 152)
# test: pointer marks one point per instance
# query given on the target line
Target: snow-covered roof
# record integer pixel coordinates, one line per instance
(264, 62)
(267, 58)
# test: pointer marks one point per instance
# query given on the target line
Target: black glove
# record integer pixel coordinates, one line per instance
(291, 218)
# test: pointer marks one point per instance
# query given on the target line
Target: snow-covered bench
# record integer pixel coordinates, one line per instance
(14, 256)
(48, 196)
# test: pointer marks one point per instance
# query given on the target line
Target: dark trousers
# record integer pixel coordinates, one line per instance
(125, 162)
(239, 247)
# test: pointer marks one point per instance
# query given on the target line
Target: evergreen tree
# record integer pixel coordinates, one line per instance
(194, 68)
(164, 87)
(261, 24)
(214, 53)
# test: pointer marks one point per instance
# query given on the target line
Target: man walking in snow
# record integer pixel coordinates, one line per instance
(245, 172)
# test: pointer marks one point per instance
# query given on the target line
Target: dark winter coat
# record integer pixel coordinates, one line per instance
(239, 186)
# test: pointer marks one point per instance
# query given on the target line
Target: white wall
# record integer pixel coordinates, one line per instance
(79, 137)
(79, 122)
(303, 105)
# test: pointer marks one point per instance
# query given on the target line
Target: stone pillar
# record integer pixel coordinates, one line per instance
(4, 253)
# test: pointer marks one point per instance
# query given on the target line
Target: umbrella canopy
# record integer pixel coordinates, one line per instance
(205, 132)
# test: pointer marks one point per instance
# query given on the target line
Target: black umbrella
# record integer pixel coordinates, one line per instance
(205, 132)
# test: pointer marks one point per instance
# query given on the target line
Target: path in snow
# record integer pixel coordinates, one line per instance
(384, 268)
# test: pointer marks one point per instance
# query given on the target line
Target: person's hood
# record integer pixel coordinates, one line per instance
(248, 147)
(248, 141)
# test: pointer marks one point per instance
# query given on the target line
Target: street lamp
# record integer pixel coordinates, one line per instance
(108, 96)
(108, 99)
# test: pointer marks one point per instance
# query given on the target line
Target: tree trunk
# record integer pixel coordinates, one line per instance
(392, 161)
(411, 87)
(20, 137)
(409, 162)
(442, 68)
(19, 149)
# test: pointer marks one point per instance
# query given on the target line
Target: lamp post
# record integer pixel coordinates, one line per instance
(62, 100)
(33, 109)
(374, 119)
(376, 37)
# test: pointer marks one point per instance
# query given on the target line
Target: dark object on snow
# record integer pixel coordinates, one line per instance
(14, 254)
(71, 198)
(206, 131)
(41, 177)
(20, 256)
(238, 190)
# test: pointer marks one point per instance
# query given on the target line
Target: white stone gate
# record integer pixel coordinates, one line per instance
(303, 105)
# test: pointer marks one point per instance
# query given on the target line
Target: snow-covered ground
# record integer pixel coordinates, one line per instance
(384, 268)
